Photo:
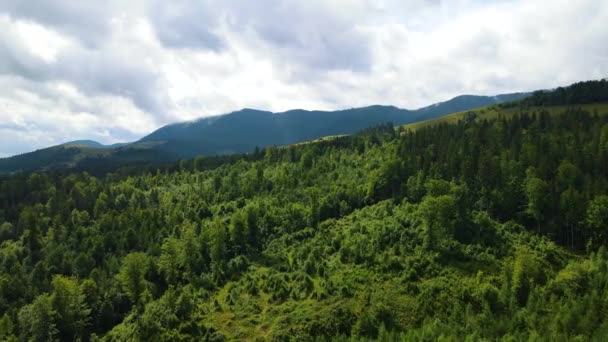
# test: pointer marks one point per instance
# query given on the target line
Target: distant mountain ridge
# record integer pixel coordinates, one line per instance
(237, 132)
(466, 102)
(92, 143)
(242, 131)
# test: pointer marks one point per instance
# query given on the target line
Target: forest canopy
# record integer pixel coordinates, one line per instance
(484, 229)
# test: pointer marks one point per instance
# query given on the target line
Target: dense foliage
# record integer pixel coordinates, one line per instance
(578, 93)
(480, 230)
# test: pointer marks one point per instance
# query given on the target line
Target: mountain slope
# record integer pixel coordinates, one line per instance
(242, 131)
(465, 102)
(429, 235)
(92, 143)
(492, 112)
(237, 132)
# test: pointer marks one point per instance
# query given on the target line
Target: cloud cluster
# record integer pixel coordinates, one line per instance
(115, 70)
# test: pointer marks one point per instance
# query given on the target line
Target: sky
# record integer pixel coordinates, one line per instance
(115, 70)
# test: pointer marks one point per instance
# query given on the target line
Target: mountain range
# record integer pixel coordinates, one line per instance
(237, 132)
(92, 143)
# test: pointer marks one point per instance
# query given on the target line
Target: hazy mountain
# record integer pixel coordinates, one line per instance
(92, 143)
(465, 102)
(237, 132)
(243, 130)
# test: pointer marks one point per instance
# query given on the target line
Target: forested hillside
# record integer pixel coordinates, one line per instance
(578, 93)
(486, 228)
(237, 132)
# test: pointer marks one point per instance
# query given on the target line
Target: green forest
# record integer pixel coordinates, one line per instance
(483, 229)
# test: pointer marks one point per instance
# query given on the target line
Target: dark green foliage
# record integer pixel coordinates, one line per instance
(578, 93)
(480, 230)
(597, 220)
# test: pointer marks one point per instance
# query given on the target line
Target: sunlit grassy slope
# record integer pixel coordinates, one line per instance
(494, 111)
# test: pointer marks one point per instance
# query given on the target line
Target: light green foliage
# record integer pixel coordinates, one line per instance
(426, 235)
(536, 193)
(170, 261)
(567, 175)
(68, 301)
(37, 320)
(438, 215)
(438, 187)
(218, 247)
(132, 276)
(528, 271)
(7, 329)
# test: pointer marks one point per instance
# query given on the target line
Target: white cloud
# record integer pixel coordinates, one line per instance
(39, 41)
(116, 70)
